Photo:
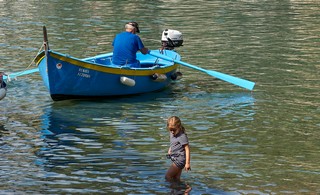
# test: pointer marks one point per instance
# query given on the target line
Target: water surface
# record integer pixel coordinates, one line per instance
(260, 142)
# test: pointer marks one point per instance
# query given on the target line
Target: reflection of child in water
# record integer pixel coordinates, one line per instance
(179, 151)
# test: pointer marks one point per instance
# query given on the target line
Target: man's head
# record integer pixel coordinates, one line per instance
(132, 26)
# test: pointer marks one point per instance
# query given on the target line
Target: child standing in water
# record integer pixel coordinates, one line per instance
(179, 151)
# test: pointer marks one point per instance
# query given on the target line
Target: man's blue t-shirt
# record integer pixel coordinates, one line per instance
(125, 46)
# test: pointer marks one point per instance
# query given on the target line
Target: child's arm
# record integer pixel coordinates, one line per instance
(187, 149)
(169, 150)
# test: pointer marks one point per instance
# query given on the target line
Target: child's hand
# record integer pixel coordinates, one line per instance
(187, 167)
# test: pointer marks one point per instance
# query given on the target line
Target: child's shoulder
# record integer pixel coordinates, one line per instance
(184, 135)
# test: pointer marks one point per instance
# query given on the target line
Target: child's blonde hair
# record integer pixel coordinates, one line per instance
(175, 122)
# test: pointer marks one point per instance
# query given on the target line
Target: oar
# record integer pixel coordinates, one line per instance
(46, 43)
(21, 73)
(228, 78)
(25, 72)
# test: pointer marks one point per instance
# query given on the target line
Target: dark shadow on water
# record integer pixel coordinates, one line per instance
(179, 187)
(185, 188)
(150, 96)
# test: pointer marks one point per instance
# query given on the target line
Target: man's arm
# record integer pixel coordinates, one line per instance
(144, 50)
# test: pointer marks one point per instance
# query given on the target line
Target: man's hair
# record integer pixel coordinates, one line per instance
(129, 26)
(132, 25)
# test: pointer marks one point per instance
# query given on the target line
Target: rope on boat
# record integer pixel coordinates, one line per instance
(3, 84)
(22, 72)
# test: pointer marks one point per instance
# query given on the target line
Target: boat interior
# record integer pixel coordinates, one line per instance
(146, 61)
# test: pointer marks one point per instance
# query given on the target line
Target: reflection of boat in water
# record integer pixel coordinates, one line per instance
(79, 116)
(96, 131)
(88, 143)
(104, 121)
(117, 144)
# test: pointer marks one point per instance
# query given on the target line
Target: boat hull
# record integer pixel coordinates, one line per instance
(67, 77)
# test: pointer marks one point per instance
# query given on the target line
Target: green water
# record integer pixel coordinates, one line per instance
(260, 142)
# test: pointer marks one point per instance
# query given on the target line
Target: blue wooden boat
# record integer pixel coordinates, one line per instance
(68, 77)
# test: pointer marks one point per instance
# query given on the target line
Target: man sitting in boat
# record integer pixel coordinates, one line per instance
(125, 46)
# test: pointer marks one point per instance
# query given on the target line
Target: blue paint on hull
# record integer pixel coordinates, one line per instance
(66, 76)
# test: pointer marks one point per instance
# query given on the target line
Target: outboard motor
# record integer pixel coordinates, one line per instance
(171, 39)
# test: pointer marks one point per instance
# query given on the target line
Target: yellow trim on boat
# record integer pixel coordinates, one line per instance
(39, 57)
(112, 70)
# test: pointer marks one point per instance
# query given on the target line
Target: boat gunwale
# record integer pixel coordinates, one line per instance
(83, 63)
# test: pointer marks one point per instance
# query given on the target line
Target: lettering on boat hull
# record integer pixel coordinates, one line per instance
(85, 73)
